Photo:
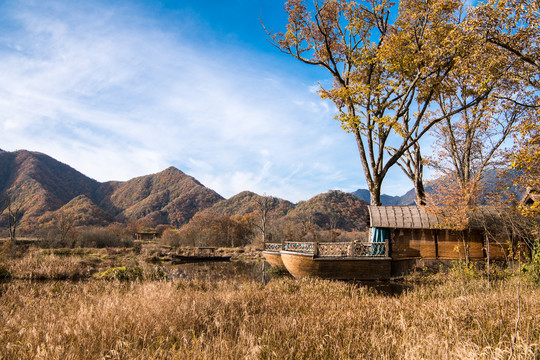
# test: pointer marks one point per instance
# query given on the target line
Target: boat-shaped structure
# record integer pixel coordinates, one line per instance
(338, 260)
(400, 239)
(272, 255)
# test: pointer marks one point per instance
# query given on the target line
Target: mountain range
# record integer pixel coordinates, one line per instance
(50, 189)
(387, 200)
(46, 186)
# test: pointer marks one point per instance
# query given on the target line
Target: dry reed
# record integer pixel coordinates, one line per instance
(286, 319)
(37, 266)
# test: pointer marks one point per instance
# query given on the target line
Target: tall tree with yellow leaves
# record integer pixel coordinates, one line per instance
(387, 74)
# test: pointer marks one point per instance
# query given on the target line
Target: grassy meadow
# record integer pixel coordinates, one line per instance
(116, 304)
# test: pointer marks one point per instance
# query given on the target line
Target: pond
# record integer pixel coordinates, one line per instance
(236, 270)
(260, 271)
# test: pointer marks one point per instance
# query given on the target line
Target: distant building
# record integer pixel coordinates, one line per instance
(147, 234)
(530, 197)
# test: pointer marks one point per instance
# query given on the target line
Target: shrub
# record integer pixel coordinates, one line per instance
(533, 267)
(100, 238)
(51, 238)
(171, 237)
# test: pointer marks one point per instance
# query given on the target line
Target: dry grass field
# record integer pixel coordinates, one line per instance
(445, 316)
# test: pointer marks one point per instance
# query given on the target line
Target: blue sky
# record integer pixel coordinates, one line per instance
(119, 89)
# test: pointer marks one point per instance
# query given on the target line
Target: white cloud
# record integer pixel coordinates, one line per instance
(116, 96)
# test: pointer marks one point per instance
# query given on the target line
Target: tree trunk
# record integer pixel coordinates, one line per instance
(375, 193)
(466, 237)
(419, 177)
(488, 256)
(420, 192)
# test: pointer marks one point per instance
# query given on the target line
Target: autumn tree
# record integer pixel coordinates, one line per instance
(513, 26)
(526, 160)
(387, 74)
(15, 211)
(64, 224)
(209, 229)
(469, 145)
(242, 229)
(134, 226)
(468, 157)
(526, 157)
(470, 160)
(264, 205)
(305, 219)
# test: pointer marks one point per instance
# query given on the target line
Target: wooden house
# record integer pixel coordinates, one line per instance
(147, 234)
(419, 238)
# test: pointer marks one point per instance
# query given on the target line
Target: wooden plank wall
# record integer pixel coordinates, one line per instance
(451, 244)
(448, 245)
(412, 243)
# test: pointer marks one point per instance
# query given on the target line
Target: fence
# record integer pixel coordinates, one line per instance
(332, 249)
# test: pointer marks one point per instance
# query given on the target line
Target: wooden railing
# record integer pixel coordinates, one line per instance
(338, 249)
(272, 247)
(300, 247)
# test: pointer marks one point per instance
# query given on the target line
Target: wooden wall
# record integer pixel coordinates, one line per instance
(451, 246)
(442, 244)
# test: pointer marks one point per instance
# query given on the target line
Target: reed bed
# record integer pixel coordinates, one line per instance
(285, 319)
(37, 266)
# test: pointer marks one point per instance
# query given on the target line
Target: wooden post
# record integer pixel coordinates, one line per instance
(351, 249)
(315, 249)
(386, 247)
(488, 257)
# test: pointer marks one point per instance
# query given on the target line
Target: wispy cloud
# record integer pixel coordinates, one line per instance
(114, 94)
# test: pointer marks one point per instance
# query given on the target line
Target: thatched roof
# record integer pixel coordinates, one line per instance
(416, 217)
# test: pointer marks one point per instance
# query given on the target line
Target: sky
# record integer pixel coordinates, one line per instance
(120, 89)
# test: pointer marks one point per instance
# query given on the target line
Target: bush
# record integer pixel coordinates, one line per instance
(171, 237)
(101, 238)
(50, 238)
(209, 229)
(533, 267)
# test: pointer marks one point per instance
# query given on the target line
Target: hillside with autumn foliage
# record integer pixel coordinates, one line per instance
(50, 191)
(247, 202)
(40, 182)
(168, 197)
(332, 210)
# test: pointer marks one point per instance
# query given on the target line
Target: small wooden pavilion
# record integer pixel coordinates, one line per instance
(147, 234)
(420, 238)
